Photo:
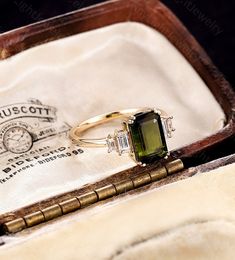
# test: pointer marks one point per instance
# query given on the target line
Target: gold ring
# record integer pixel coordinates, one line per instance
(142, 135)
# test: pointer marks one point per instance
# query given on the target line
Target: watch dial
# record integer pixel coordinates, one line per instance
(17, 140)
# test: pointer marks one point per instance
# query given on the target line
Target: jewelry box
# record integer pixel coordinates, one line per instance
(108, 56)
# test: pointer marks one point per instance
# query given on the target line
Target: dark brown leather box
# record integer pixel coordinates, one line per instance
(156, 15)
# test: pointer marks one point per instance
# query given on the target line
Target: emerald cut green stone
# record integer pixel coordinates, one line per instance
(147, 136)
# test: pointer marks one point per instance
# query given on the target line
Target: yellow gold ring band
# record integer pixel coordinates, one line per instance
(123, 141)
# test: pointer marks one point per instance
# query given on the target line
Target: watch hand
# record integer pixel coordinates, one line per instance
(12, 139)
(21, 136)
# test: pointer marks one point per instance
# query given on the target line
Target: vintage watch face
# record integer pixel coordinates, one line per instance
(17, 140)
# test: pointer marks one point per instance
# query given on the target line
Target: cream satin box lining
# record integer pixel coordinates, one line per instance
(195, 220)
(125, 65)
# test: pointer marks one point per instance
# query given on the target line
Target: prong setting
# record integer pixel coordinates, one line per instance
(167, 156)
(142, 164)
(131, 122)
(157, 111)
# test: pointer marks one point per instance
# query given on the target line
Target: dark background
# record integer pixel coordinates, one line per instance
(219, 45)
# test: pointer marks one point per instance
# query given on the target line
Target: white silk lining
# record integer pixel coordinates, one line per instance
(122, 66)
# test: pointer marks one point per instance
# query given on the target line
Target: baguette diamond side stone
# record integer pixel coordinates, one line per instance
(111, 144)
(168, 126)
(123, 145)
(119, 142)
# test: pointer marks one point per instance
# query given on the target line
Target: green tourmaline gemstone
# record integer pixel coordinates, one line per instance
(148, 137)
